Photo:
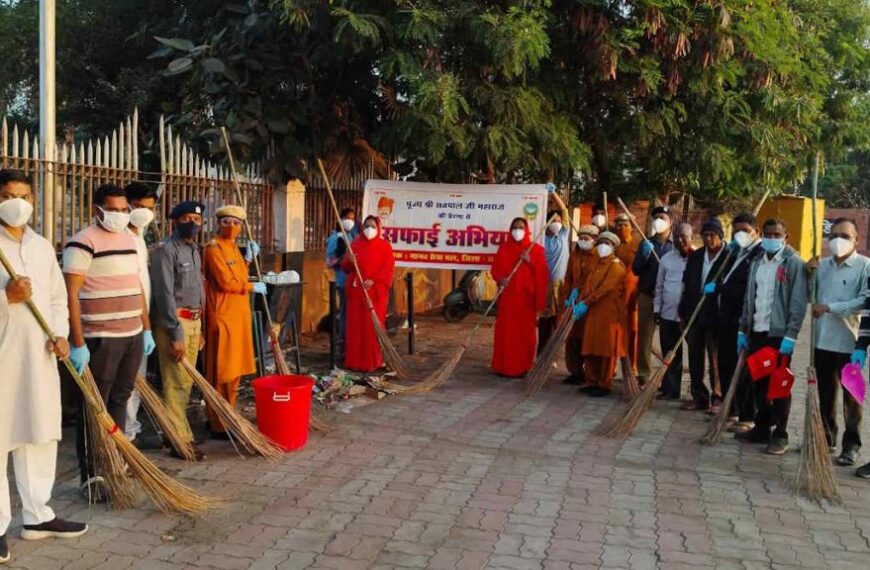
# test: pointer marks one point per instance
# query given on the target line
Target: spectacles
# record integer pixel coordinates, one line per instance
(230, 222)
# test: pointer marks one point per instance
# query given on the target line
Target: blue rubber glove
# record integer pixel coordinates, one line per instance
(786, 347)
(572, 298)
(260, 288)
(252, 251)
(733, 245)
(148, 341)
(80, 356)
(580, 309)
(742, 342)
(859, 356)
(551, 187)
(645, 248)
(710, 288)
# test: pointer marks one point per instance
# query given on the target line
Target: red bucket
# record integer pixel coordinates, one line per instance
(284, 409)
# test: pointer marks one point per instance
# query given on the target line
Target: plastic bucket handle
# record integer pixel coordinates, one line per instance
(281, 397)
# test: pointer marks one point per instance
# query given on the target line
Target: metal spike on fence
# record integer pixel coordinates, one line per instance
(118, 140)
(98, 156)
(15, 143)
(25, 146)
(4, 142)
(136, 139)
(107, 154)
(129, 144)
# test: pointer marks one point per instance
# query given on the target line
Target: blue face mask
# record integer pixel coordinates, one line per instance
(772, 245)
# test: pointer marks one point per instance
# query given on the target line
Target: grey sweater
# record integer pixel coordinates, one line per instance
(790, 296)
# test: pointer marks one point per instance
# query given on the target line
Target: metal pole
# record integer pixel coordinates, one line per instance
(47, 126)
(409, 283)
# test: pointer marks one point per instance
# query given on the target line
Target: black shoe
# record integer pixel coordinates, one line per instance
(94, 491)
(587, 388)
(863, 471)
(219, 435)
(574, 380)
(777, 446)
(599, 393)
(56, 528)
(753, 436)
(149, 442)
(197, 454)
(4, 550)
(848, 457)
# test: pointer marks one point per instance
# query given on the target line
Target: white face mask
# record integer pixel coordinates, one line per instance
(518, 234)
(16, 212)
(347, 224)
(599, 220)
(585, 244)
(370, 232)
(743, 239)
(114, 221)
(555, 227)
(141, 217)
(660, 226)
(841, 247)
(604, 250)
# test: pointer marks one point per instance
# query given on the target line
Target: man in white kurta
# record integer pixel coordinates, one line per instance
(29, 384)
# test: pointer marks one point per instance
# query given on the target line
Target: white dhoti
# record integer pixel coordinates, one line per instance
(133, 426)
(35, 466)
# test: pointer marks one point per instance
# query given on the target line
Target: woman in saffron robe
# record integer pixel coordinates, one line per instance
(516, 333)
(375, 258)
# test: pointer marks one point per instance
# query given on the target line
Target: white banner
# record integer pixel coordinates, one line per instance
(451, 226)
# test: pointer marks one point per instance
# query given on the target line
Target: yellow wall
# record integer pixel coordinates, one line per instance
(797, 212)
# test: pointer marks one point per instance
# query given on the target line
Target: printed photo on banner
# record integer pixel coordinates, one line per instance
(451, 226)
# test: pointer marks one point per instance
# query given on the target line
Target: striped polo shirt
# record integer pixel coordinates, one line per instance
(111, 297)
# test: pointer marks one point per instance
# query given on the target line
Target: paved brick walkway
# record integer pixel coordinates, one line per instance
(474, 476)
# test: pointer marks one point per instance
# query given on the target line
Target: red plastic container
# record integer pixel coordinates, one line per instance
(284, 409)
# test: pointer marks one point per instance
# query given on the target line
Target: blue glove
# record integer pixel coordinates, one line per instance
(742, 342)
(859, 356)
(80, 356)
(710, 288)
(786, 347)
(646, 248)
(733, 245)
(252, 251)
(148, 340)
(551, 187)
(260, 288)
(580, 309)
(572, 298)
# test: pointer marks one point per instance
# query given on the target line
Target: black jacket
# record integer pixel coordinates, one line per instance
(733, 290)
(693, 288)
(647, 268)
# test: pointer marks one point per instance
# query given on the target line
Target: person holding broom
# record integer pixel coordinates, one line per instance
(30, 407)
(746, 240)
(176, 280)
(557, 250)
(842, 293)
(773, 312)
(336, 250)
(524, 296)
(602, 308)
(374, 257)
(580, 265)
(626, 253)
(229, 344)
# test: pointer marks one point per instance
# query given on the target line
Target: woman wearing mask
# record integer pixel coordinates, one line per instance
(524, 296)
(583, 259)
(603, 304)
(336, 250)
(229, 343)
(374, 257)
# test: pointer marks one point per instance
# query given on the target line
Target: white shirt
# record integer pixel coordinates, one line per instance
(669, 285)
(765, 287)
(30, 384)
(708, 264)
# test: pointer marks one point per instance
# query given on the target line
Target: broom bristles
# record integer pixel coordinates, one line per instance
(632, 388)
(435, 379)
(537, 376)
(249, 436)
(318, 422)
(164, 420)
(388, 351)
(714, 432)
(815, 477)
(636, 408)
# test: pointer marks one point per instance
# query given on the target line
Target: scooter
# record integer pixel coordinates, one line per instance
(467, 297)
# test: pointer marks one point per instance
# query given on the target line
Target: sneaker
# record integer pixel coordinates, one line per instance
(777, 446)
(863, 471)
(741, 427)
(94, 490)
(4, 550)
(56, 528)
(848, 458)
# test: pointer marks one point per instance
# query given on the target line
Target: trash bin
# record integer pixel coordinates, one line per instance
(284, 409)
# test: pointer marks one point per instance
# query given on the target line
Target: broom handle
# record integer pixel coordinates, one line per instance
(635, 225)
(606, 214)
(507, 281)
(43, 324)
(814, 283)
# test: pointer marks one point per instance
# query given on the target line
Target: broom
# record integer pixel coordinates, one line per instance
(440, 375)
(280, 361)
(237, 426)
(714, 432)
(632, 388)
(815, 476)
(539, 373)
(162, 418)
(635, 226)
(167, 494)
(388, 351)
